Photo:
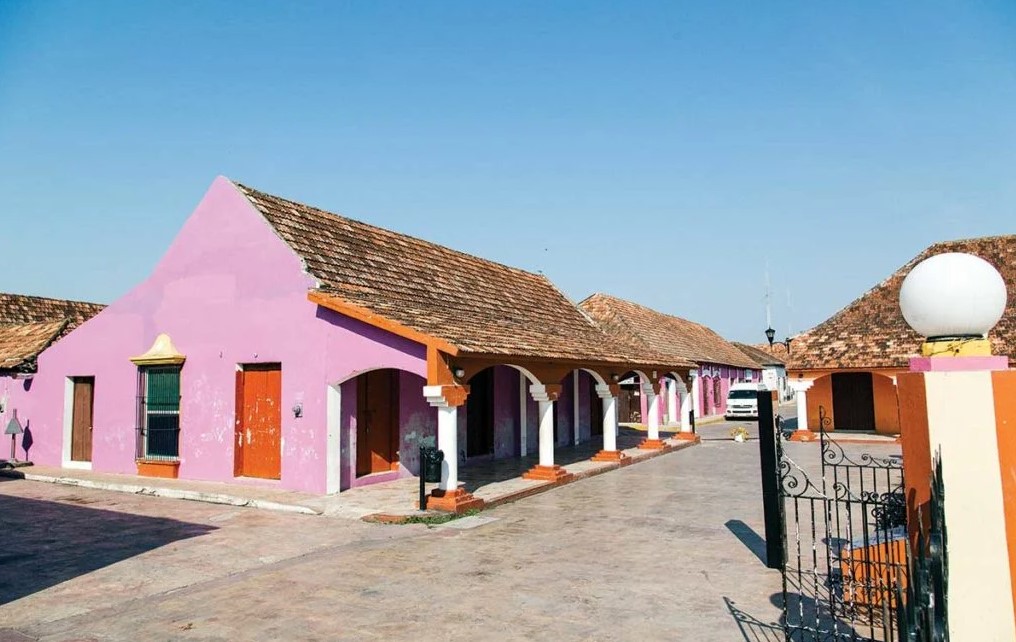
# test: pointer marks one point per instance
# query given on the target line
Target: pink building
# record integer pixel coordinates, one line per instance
(276, 343)
(720, 363)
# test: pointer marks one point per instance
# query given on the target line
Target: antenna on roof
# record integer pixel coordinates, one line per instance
(789, 308)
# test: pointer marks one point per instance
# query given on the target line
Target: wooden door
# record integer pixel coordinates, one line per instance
(853, 401)
(81, 419)
(377, 422)
(259, 421)
(480, 415)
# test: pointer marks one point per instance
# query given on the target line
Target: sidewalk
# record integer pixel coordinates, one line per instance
(496, 483)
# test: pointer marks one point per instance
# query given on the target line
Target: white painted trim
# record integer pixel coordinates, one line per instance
(333, 444)
(523, 415)
(68, 421)
(77, 465)
(575, 407)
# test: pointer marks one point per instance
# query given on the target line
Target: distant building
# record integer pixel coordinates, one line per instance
(719, 363)
(774, 368)
(845, 368)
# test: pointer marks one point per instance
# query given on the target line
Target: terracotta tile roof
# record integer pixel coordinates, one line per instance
(478, 306)
(871, 332)
(21, 343)
(663, 332)
(29, 324)
(760, 354)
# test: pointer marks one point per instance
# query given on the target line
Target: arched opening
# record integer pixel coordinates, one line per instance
(382, 422)
(854, 401)
(630, 402)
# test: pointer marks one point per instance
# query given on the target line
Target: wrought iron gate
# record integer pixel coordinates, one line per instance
(844, 542)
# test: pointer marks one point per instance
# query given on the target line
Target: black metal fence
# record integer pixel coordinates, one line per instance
(845, 544)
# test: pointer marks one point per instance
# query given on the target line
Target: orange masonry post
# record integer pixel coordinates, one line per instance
(959, 402)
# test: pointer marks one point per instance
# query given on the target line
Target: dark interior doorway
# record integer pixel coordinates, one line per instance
(480, 414)
(853, 401)
(595, 411)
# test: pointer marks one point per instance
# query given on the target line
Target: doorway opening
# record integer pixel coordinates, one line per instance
(853, 401)
(258, 421)
(377, 422)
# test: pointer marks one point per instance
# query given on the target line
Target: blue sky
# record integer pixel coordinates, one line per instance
(658, 151)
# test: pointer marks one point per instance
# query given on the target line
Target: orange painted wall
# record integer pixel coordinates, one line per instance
(887, 414)
(887, 409)
(821, 394)
(1004, 384)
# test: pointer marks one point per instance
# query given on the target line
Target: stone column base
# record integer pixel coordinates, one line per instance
(652, 444)
(608, 455)
(803, 435)
(453, 501)
(547, 473)
(687, 436)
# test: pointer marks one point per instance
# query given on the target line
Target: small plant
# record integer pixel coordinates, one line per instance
(739, 433)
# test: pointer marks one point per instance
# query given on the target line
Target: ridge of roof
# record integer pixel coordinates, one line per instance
(759, 353)
(870, 332)
(248, 190)
(666, 332)
(469, 303)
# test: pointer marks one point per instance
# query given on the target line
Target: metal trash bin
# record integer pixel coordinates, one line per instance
(430, 463)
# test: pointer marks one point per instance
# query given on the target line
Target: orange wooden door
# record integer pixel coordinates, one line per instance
(259, 421)
(81, 419)
(377, 423)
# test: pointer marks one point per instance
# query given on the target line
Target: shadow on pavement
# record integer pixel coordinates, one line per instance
(45, 543)
(752, 628)
(751, 540)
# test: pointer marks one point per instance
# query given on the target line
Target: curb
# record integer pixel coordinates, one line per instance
(389, 518)
(169, 493)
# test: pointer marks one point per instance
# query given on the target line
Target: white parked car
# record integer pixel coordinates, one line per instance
(742, 400)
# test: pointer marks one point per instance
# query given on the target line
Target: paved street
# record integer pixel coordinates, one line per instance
(665, 550)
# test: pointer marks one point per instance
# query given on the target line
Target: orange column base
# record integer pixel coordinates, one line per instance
(608, 455)
(803, 435)
(687, 436)
(652, 444)
(164, 469)
(547, 473)
(453, 501)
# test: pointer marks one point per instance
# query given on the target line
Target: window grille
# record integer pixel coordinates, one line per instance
(159, 413)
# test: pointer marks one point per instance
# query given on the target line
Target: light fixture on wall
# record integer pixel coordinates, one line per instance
(771, 335)
(298, 410)
(459, 372)
(615, 377)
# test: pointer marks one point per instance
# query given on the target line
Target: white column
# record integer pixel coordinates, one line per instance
(447, 436)
(671, 401)
(800, 388)
(575, 407)
(609, 417)
(653, 408)
(523, 416)
(696, 394)
(539, 393)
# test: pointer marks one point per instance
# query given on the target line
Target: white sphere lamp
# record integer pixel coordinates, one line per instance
(953, 296)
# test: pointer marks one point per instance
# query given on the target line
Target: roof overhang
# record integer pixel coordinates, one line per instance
(343, 307)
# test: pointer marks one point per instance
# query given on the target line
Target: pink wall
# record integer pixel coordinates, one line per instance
(228, 291)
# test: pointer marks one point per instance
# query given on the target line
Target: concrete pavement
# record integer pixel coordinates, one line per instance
(666, 550)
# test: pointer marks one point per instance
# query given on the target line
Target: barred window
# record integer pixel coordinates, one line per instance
(159, 413)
